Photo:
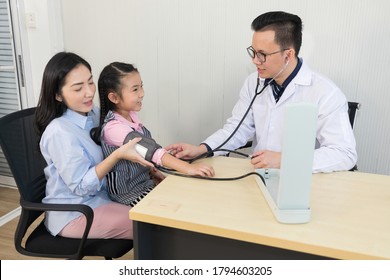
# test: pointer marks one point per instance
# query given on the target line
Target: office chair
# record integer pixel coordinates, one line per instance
(19, 142)
(352, 109)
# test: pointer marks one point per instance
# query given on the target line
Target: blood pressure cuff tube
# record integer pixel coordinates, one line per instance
(149, 146)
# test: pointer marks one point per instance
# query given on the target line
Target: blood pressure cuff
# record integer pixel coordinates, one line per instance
(146, 147)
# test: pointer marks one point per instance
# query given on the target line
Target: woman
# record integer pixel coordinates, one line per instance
(76, 169)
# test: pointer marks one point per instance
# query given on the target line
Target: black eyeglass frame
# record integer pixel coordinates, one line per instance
(262, 57)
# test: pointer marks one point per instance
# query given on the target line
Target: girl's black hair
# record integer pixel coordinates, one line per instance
(109, 81)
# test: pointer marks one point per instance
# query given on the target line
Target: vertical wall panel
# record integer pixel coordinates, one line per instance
(200, 68)
(167, 76)
(192, 58)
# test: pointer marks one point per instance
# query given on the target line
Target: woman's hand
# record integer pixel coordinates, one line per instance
(156, 175)
(128, 152)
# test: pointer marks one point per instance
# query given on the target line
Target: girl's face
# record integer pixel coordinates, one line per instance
(132, 93)
(78, 90)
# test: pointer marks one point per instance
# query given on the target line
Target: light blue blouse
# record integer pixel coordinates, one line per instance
(71, 156)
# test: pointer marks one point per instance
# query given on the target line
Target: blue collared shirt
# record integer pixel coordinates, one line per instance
(71, 156)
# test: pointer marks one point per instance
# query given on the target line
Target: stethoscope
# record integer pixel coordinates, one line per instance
(257, 93)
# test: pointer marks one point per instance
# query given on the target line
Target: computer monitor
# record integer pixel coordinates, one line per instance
(287, 189)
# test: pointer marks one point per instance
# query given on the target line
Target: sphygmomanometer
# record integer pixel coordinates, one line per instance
(146, 147)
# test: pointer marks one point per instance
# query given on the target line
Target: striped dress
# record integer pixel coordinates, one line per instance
(128, 182)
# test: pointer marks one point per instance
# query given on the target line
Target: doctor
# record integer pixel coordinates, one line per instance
(276, 42)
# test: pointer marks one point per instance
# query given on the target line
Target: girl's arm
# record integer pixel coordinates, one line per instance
(184, 167)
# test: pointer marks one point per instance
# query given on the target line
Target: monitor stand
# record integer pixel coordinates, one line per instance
(287, 189)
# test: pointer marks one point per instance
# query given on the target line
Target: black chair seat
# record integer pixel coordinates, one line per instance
(115, 248)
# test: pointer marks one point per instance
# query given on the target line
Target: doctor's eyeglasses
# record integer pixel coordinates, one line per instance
(262, 57)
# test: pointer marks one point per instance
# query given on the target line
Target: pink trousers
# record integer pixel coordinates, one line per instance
(110, 221)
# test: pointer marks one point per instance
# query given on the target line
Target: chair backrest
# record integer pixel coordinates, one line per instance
(19, 142)
(352, 108)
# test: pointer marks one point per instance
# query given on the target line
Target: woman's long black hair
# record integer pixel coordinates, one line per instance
(53, 80)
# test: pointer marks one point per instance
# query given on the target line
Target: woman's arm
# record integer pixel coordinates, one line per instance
(126, 152)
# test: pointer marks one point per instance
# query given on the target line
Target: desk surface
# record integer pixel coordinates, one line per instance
(350, 216)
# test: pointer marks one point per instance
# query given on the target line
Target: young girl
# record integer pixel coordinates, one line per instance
(76, 169)
(121, 93)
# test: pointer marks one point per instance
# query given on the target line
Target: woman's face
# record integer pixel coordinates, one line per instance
(78, 90)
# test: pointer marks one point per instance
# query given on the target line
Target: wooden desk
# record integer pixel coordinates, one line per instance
(199, 219)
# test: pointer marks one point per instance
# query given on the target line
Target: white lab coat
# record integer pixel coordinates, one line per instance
(335, 148)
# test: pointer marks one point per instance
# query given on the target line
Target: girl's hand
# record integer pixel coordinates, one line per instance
(202, 170)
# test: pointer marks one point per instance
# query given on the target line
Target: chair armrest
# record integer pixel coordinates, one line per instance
(247, 145)
(84, 209)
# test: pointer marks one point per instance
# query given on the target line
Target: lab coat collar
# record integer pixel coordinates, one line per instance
(303, 78)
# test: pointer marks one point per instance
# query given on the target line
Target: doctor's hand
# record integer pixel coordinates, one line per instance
(186, 151)
(266, 159)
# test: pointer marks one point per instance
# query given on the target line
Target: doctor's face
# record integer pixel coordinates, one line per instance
(263, 43)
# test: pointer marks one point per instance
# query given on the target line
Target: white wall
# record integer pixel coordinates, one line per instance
(192, 58)
(44, 39)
